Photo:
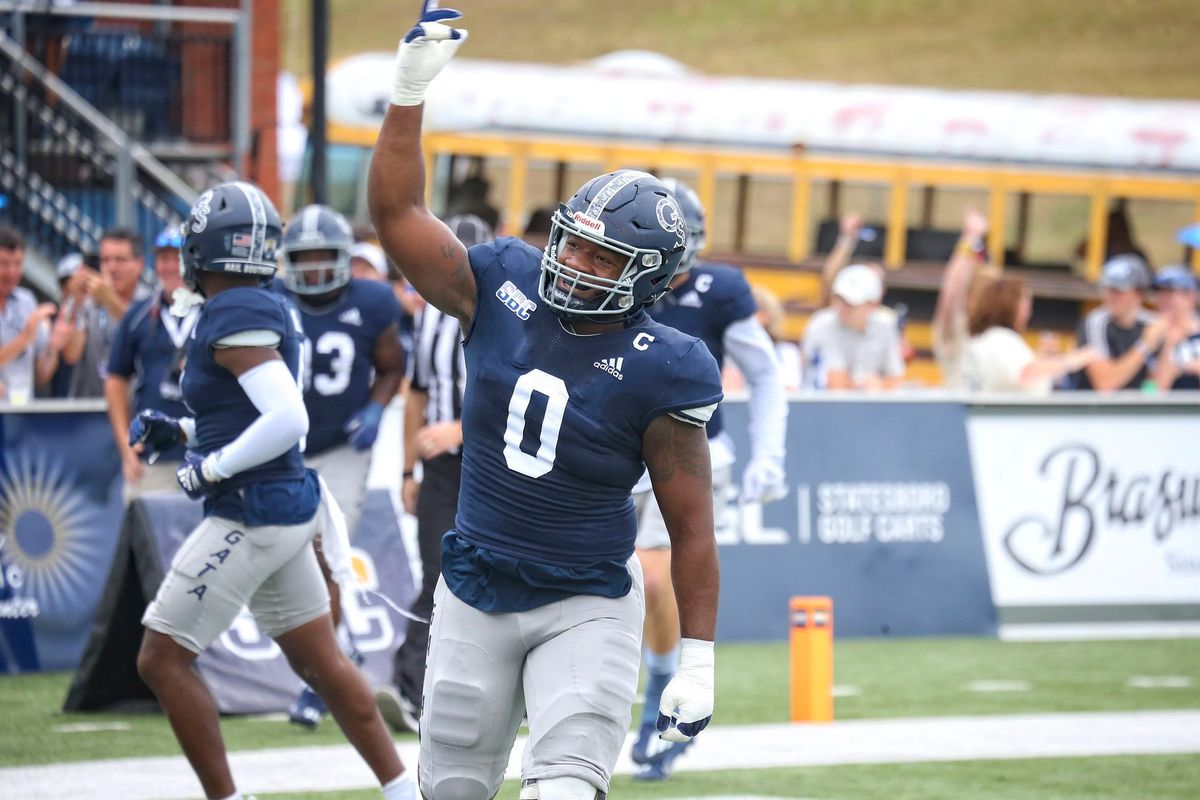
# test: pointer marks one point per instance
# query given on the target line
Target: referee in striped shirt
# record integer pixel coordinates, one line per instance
(433, 436)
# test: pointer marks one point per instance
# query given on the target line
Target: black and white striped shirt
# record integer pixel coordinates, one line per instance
(438, 365)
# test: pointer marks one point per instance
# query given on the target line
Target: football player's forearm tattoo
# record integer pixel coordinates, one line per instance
(675, 447)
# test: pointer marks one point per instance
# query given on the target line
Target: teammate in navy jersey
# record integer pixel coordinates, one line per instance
(354, 366)
(262, 507)
(571, 391)
(713, 302)
(146, 361)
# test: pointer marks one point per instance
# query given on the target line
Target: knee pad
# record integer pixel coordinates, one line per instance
(460, 789)
(560, 789)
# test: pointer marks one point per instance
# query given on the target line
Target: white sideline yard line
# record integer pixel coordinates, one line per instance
(338, 767)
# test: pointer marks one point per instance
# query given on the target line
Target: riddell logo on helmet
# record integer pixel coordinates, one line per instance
(591, 223)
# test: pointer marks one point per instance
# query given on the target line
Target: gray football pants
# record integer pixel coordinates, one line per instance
(572, 664)
(345, 472)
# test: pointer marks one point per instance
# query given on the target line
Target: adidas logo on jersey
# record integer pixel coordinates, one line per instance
(351, 316)
(515, 300)
(612, 366)
(691, 300)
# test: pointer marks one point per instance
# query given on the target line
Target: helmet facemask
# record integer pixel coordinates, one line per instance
(568, 292)
(316, 277)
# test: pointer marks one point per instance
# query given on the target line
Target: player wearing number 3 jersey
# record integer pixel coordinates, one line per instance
(352, 365)
(571, 390)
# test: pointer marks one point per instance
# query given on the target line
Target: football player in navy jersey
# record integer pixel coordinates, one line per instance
(571, 392)
(713, 302)
(262, 508)
(354, 366)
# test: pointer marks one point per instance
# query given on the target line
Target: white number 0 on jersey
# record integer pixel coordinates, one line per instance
(555, 391)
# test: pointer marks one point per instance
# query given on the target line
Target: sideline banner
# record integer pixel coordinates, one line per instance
(1089, 508)
(246, 671)
(881, 517)
(60, 511)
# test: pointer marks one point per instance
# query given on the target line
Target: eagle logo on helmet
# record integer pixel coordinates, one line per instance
(670, 217)
(201, 211)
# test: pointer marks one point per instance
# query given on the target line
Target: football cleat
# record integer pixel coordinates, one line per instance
(397, 710)
(307, 710)
(659, 766)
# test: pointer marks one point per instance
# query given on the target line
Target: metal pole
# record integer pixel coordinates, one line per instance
(20, 138)
(241, 90)
(124, 186)
(316, 134)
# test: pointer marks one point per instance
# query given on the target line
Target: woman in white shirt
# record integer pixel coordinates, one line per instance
(998, 359)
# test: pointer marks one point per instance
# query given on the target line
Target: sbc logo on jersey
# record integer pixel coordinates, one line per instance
(515, 300)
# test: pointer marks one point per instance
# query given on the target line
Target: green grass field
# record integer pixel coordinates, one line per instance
(892, 677)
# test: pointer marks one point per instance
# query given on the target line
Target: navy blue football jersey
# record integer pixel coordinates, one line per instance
(148, 349)
(714, 297)
(339, 355)
(552, 432)
(280, 491)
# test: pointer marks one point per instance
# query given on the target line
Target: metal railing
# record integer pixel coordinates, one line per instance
(173, 76)
(73, 170)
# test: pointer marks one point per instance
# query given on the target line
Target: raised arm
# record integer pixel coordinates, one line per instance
(950, 314)
(840, 255)
(423, 249)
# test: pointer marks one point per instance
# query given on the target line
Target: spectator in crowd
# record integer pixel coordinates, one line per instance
(850, 228)
(853, 344)
(432, 436)
(367, 262)
(27, 357)
(997, 357)
(109, 294)
(1120, 240)
(950, 332)
(64, 322)
(469, 196)
(850, 231)
(145, 367)
(1122, 331)
(537, 229)
(1178, 363)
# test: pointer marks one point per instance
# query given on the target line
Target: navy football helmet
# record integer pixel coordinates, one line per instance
(233, 228)
(317, 228)
(632, 214)
(693, 215)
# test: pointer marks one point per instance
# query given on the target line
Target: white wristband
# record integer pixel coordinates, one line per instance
(188, 426)
(696, 654)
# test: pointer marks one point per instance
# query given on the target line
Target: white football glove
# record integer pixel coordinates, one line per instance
(423, 52)
(764, 481)
(687, 701)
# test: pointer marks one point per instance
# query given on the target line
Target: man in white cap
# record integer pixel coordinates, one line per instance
(854, 343)
(367, 262)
